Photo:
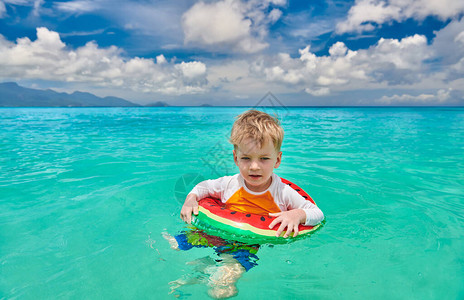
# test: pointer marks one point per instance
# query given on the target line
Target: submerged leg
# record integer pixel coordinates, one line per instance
(171, 240)
(223, 277)
(199, 275)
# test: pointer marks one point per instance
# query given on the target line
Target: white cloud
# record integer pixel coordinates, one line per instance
(192, 70)
(48, 58)
(266, 3)
(83, 33)
(275, 15)
(410, 65)
(215, 23)
(78, 6)
(390, 61)
(449, 48)
(230, 25)
(319, 92)
(3, 12)
(37, 7)
(440, 97)
(401, 65)
(228, 72)
(397, 61)
(365, 13)
(19, 2)
(2, 9)
(155, 20)
(35, 4)
(420, 9)
(338, 49)
(160, 59)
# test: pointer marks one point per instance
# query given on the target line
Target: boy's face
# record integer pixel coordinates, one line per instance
(257, 164)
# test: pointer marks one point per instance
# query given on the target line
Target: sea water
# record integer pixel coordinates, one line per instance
(87, 193)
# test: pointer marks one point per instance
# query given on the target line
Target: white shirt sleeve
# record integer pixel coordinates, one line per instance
(211, 188)
(294, 200)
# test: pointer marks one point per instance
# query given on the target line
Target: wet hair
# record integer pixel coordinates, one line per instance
(258, 126)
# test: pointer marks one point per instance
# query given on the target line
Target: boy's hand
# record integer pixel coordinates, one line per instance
(190, 206)
(290, 219)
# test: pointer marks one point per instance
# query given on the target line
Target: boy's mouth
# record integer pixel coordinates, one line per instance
(255, 176)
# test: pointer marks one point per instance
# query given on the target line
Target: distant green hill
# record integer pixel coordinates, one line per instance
(13, 95)
(158, 104)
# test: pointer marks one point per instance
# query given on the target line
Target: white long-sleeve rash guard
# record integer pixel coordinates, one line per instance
(284, 196)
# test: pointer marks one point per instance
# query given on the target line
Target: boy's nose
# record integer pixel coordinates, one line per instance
(254, 165)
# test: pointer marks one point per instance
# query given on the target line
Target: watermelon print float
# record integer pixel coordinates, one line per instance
(215, 219)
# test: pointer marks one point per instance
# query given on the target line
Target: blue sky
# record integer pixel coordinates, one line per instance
(363, 52)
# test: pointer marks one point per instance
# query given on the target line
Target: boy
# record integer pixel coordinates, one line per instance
(257, 138)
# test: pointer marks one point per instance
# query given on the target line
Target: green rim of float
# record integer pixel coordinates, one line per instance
(215, 219)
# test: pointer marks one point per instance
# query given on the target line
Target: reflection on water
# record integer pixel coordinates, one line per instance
(219, 274)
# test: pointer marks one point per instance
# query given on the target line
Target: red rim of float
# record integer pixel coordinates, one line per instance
(215, 219)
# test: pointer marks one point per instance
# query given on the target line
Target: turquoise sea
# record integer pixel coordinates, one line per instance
(87, 193)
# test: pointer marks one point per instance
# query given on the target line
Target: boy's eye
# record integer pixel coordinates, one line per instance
(245, 158)
(264, 158)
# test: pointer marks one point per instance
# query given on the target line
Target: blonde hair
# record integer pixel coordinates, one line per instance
(258, 126)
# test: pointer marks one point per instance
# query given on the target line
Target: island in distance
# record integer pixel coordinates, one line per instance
(13, 95)
(158, 104)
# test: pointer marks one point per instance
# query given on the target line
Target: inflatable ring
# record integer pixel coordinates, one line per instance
(215, 219)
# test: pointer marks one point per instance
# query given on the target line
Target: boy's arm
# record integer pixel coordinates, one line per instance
(207, 188)
(210, 188)
(190, 206)
(300, 211)
(313, 213)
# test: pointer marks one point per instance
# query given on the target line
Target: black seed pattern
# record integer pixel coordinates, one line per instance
(233, 212)
(263, 219)
(248, 215)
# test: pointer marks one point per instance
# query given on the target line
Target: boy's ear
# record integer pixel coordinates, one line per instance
(279, 159)
(235, 157)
